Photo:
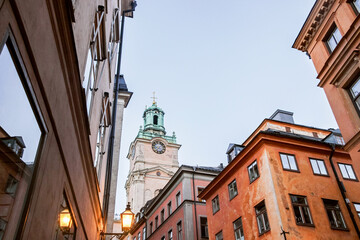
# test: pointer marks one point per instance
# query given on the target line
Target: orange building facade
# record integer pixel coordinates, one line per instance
(331, 37)
(287, 181)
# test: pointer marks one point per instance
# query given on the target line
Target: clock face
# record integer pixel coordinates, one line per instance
(158, 147)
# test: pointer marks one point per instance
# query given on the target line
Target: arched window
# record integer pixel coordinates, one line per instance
(156, 120)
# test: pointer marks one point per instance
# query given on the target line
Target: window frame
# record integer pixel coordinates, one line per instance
(353, 5)
(170, 234)
(199, 190)
(258, 172)
(351, 95)
(233, 182)
(218, 234)
(289, 169)
(206, 226)
(178, 199)
(262, 213)
(241, 228)
(179, 230)
(329, 35)
(156, 222)
(319, 174)
(346, 178)
(337, 210)
(169, 208)
(162, 216)
(301, 207)
(26, 77)
(218, 204)
(358, 212)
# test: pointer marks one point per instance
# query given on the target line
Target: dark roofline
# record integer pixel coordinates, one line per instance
(273, 133)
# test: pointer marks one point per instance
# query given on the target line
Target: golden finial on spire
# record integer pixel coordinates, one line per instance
(154, 98)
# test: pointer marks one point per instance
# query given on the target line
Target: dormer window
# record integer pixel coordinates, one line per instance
(333, 38)
(156, 120)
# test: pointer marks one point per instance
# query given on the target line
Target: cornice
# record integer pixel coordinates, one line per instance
(315, 18)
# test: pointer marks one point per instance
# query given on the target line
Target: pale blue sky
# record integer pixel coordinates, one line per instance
(218, 68)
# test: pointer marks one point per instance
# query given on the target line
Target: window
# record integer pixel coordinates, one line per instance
(355, 93)
(169, 208)
(333, 39)
(215, 204)
(347, 171)
(318, 167)
(232, 189)
(357, 208)
(261, 218)
(144, 233)
(162, 216)
(178, 199)
(253, 171)
(114, 35)
(200, 189)
(155, 120)
(135, 238)
(139, 235)
(151, 227)
(170, 235)
(96, 55)
(204, 227)
(21, 133)
(100, 140)
(179, 230)
(288, 162)
(334, 214)
(156, 222)
(219, 236)
(163, 238)
(238, 229)
(356, 5)
(301, 210)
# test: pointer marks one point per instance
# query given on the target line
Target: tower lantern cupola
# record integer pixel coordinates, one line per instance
(154, 120)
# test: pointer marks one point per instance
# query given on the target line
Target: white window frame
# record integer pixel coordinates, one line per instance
(316, 167)
(347, 171)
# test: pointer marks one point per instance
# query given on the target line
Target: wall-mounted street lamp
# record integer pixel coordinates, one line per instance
(127, 220)
(65, 221)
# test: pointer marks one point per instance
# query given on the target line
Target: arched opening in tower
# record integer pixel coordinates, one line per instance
(156, 120)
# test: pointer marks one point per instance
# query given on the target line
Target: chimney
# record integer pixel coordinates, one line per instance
(283, 116)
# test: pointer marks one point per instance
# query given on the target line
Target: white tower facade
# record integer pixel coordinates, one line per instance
(153, 159)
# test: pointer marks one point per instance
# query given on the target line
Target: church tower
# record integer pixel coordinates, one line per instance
(153, 159)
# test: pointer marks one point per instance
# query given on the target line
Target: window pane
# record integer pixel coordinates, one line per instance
(307, 215)
(322, 167)
(19, 140)
(285, 161)
(298, 216)
(357, 5)
(314, 166)
(357, 207)
(292, 162)
(337, 35)
(332, 43)
(355, 89)
(350, 171)
(343, 171)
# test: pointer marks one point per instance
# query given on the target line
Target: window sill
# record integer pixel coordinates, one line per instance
(263, 233)
(290, 170)
(254, 180)
(350, 179)
(305, 225)
(341, 229)
(321, 175)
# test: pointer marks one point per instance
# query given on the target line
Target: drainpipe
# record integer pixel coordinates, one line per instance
(196, 224)
(113, 121)
(342, 190)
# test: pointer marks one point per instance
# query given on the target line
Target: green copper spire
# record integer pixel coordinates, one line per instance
(154, 124)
